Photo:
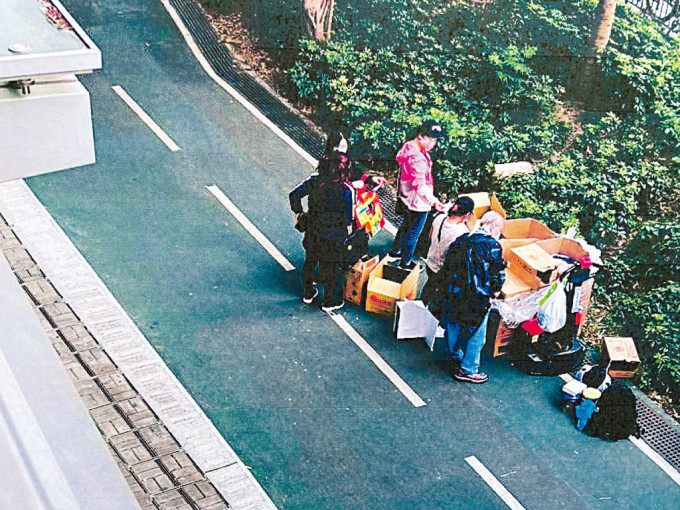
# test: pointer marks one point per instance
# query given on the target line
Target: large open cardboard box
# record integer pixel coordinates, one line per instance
(526, 228)
(563, 246)
(382, 294)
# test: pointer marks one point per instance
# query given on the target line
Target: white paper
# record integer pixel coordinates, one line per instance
(414, 320)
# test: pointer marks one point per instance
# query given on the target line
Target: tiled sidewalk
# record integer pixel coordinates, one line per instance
(158, 470)
(169, 450)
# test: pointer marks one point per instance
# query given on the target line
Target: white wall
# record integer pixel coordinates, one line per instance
(47, 130)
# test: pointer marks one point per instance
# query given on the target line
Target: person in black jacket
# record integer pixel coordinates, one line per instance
(336, 143)
(328, 221)
(475, 272)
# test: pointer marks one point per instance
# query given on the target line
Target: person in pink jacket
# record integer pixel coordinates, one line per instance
(416, 190)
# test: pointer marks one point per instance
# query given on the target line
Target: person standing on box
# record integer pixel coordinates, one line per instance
(446, 228)
(326, 224)
(475, 272)
(415, 197)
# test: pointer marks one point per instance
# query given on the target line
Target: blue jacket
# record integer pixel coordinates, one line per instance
(474, 271)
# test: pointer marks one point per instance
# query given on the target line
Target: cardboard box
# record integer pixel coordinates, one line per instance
(563, 246)
(533, 265)
(499, 334)
(356, 279)
(382, 294)
(526, 228)
(621, 356)
(483, 203)
(503, 170)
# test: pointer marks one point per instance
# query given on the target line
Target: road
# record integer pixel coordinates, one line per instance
(318, 423)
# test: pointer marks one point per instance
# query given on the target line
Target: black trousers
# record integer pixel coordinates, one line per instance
(328, 255)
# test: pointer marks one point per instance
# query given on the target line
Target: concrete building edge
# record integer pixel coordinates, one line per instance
(41, 468)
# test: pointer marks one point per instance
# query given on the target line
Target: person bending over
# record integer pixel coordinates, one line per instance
(446, 228)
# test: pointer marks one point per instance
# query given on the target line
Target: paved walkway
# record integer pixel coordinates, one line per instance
(155, 430)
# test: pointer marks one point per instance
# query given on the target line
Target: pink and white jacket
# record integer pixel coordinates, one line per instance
(416, 186)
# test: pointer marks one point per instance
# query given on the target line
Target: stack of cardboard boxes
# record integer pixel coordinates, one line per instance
(378, 286)
(532, 251)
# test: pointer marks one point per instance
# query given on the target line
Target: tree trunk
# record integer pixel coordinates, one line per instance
(602, 28)
(318, 18)
(588, 85)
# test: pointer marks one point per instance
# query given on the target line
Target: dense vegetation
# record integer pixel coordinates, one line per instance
(507, 81)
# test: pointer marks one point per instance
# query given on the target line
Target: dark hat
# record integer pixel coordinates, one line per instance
(430, 128)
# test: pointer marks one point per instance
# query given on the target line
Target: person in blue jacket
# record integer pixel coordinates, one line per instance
(474, 272)
(327, 223)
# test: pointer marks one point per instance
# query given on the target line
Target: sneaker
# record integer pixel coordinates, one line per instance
(308, 298)
(471, 378)
(335, 305)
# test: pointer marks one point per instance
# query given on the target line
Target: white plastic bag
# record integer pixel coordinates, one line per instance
(552, 310)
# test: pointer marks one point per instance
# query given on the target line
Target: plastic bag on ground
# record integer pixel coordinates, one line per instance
(552, 309)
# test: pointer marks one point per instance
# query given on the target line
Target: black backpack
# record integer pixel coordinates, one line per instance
(616, 416)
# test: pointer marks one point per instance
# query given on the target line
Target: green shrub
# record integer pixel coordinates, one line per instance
(652, 319)
(654, 254)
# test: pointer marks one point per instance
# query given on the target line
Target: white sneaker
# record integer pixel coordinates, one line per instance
(308, 300)
(333, 306)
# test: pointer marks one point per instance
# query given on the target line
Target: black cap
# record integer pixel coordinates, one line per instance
(431, 128)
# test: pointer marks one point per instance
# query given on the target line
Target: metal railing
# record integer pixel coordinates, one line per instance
(665, 12)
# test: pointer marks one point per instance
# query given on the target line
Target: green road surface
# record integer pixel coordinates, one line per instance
(318, 423)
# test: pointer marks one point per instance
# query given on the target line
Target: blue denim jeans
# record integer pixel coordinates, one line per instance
(465, 343)
(407, 236)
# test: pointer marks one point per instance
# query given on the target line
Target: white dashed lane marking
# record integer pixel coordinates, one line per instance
(493, 482)
(382, 365)
(145, 118)
(252, 229)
